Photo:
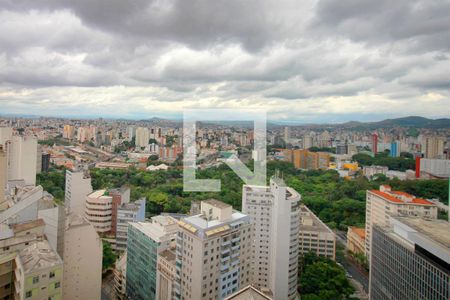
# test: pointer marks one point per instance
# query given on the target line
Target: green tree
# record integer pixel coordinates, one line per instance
(109, 258)
(321, 278)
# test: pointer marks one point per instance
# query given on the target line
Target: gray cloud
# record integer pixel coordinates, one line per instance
(288, 55)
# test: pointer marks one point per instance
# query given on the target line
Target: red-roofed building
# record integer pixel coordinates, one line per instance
(385, 203)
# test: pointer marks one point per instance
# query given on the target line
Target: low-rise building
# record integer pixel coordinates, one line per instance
(356, 239)
(41, 272)
(315, 236)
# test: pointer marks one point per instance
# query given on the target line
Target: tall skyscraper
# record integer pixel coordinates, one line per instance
(78, 186)
(22, 159)
(274, 210)
(385, 203)
(213, 253)
(410, 260)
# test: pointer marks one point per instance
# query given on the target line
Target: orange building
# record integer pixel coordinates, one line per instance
(304, 159)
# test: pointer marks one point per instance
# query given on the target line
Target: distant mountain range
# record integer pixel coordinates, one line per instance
(412, 121)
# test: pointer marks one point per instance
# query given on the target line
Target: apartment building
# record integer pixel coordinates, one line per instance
(166, 274)
(99, 211)
(410, 260)
(83, 252)
(145, 241)
(119, 196)
(274, 210)
(69, 132)
(40, 272)
(126, 213)
(213, 253)
(370, 171)
(29, 267)
(305, 159)
(120, 277)
(315, 236)
(22, 159)
(385, 203)
(356, 239)
(78, 186)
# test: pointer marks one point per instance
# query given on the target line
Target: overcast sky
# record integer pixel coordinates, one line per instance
(309, 61)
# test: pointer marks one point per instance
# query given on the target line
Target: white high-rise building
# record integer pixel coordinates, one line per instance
(78, 186)
(22, 156)
(274, 211)
(142, 137)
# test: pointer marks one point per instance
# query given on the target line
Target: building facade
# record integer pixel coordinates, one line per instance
(126, 213)
(356, 239)
(145, 241)
(83, 253)
(315, 236)
(78, 186)
(275, 212)
(385, 203)
(213, 253)
(99, 211)
(410, 260)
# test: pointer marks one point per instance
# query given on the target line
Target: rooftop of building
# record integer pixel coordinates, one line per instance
(434, 229)
(199, 224)
(74, 220)
(399, 197)
(168, 255)
(98, 194)
(360, 231)
(249, 293)
(39, 255)
(27, 225)
(310, 222)
(158, 229)
(217, 203)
